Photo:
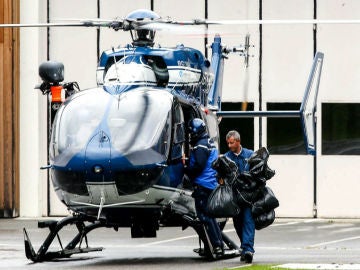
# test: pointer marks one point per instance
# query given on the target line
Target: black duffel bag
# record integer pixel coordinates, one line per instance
(264, 220)
(221, 202)
(266, 202)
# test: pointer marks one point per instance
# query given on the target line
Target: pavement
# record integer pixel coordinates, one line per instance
(294, 243)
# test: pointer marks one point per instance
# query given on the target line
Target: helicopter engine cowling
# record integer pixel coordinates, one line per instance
(120, 142)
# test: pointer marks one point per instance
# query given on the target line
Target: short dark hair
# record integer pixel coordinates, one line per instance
(233, 133)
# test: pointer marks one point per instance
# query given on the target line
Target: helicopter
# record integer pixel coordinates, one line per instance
(116, 149)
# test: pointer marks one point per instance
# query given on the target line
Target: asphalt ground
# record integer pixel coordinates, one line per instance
(292, 242)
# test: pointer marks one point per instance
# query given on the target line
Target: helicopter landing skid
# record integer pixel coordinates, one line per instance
(207, 251)
(71, 248)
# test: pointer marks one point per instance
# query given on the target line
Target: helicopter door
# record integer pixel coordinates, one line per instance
(177, 149)
(175, 170)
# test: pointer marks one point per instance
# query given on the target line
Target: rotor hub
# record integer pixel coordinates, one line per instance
(142, 36)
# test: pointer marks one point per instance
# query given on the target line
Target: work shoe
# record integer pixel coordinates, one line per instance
(247, 257)
(218, 251)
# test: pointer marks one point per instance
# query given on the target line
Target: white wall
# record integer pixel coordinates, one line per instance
(240, 83)
(33, 123)
(293, 185)
(338, 176)
(75, 47)
(339, 43)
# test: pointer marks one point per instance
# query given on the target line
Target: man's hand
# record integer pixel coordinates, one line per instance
(183, 159)
(221, 181)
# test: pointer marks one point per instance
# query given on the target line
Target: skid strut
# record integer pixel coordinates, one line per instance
(71, 248)
(231, 250)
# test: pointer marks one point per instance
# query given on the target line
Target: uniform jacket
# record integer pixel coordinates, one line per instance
(199, 169)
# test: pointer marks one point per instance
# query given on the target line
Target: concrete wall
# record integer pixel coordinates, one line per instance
(279, 68)
(338, 176)
(33, 112)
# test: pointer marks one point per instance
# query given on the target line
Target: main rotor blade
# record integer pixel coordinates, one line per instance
(190, 26)
(174, 28)
(174, 25)
(256, 22)
(248, 22)
(79, 24)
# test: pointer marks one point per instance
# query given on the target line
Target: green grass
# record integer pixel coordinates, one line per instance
(259, 267)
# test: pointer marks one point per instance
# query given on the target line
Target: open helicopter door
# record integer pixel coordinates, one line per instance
(308, 105)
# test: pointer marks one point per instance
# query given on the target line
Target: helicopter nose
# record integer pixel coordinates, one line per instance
(103, 164)
(136, 180)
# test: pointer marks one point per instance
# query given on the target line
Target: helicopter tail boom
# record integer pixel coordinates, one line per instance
(307, 111)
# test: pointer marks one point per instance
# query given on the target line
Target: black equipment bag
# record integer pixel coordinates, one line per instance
(265, 203)
(258, 165)
(264, 220)
(221, 202)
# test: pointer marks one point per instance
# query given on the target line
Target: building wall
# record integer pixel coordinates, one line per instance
(278, 70)
(33, 112)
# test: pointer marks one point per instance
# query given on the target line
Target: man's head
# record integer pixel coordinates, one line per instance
(233, 141)
(197, 129)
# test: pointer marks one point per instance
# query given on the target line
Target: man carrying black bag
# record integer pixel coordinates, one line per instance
(244, 223)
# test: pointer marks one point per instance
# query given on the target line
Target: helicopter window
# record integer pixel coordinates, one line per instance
(141, 119)
(79, 119)
(111, 61)
(179, 133)
(284, 135)
(340, 128)
(54, 133)
(131, 71)
(189, 113)
(178, 114)
(178, 143)
(212, 124)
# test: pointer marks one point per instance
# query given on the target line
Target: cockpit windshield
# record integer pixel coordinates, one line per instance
(78, 120)
(134, 121)
(141, 119)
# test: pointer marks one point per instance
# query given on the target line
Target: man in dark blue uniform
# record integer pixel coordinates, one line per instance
(244, 222)
(203, 178)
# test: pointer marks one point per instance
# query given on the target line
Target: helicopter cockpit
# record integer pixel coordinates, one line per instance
(128, 129)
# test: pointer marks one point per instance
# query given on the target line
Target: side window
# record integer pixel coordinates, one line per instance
(285, 135)
(212, 124)
(179, 133)
(177, 148)
(340, 128)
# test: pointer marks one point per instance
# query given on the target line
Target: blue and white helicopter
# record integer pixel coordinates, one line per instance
(116, 149)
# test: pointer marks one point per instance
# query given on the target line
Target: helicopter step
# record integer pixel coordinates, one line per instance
(71, 248)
